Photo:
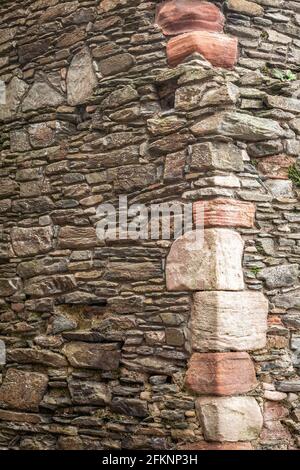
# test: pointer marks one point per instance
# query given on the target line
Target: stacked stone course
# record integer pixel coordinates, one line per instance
(132, 344)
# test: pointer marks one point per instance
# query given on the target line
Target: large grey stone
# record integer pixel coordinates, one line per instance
(31, 241)
(234, 321)
(279, 276)
(41, 95)
(229, 419)
(81, 78)
(239, 126)
(211, 262)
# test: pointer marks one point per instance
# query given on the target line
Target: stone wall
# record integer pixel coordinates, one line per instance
(144, 344)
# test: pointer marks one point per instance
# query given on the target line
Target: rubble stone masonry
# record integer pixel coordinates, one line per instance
(150, 344)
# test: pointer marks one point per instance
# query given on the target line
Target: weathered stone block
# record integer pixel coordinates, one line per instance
(81, 78)
(8, 286)
(220, 373)
(36, 356)
(31, 241)
(229, 419)
(224, 212)
(275, 167)
(42, 286)
(245, 7)
(211, 262)
(239, 126)
(77, 237)
(216, 155)
(228, 321)
(220, 50)
(194, 96)
(89, 393)
(179, 17)
(93, 356)
(23, 390)
(283, 275)
(116, 64)
(41, 95)
(130, 407)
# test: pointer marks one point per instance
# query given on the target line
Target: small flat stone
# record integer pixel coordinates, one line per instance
(276, 167)
(93, 356)
(202, 445)
(31, 241)
(206, 156)
(283, 275)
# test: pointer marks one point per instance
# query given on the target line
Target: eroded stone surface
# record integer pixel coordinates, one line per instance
(179, 17)
(220, 50)
(224, 212)
(206, 156)
(41, 95)
(239, 126)
(89, 393)
(23, 390)
(81, 78)
(276, 166)
(31, 241)
(209, 264)
(229, 419)
(245, 7)
(228, 321)
(220, 373)
(93, 356)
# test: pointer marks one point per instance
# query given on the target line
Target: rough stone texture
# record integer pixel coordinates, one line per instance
(206, 156)
(223, 212)
(276, 166)
(89, 393)
(81, 78)
(220, 50)
(175, 18)
(31, 241)
(204, 263)
(220, 374)
(229, 321)
(23, 390)
(239, 126)
(243, 414)
(93, 356)
(245, 7)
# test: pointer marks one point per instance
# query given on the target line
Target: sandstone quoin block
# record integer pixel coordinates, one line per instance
(224, 212)
(187, 15)
(234, 321)
(229, 419)
(220, 50)
(222, 374)
(211, 262)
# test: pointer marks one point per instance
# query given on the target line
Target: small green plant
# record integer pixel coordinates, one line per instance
(255, 270)
(283, 75)
(294, 175)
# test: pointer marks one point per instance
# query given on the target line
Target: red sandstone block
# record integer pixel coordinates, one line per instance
(276, 167)
(220, 50)
(220, 374)
(217, 446)
(187, 15)
(224, 212)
